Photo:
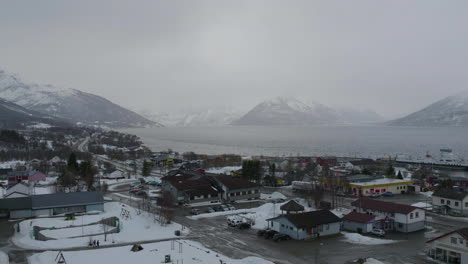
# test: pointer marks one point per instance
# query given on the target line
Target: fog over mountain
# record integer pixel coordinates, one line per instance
(68, 104)
(450, 111)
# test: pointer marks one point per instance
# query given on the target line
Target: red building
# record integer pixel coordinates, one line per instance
(327, 161)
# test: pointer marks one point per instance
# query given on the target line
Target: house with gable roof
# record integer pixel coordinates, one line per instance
(451, 247)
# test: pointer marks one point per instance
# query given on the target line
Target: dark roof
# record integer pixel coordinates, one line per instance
(194, 187)
(359, 217)
(382, 206)
(462, 231)
(310, 219)
(16, 203)
(62, 199)
(22, 183)
(21, 173)
(450, 194)
(233, 183)
(292, 206)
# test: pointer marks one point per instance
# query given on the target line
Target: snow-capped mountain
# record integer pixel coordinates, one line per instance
(200, 118)
(451, 111)
(289, 111)
(13, 116)
(69, 104)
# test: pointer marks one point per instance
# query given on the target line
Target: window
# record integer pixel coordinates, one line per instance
(411, 216)
(448, 202)
(327, 227)
(282, 225)
(460, 241)
(453, 240)
(442, 201)
(456, 203)
(466, 204)
(417, 214)
(291, 228)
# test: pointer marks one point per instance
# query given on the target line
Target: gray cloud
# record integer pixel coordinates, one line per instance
(390, 56)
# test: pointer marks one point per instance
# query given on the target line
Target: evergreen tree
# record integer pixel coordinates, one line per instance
(87, 172)
(146, 170)
(72, 163)
(399, 176)
(251, 170)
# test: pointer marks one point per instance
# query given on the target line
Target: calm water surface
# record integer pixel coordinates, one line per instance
(360, 141)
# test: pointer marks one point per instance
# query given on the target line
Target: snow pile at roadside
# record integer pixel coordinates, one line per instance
(423, 205)
(4, 258)
(224, 170)
(191, 253)
(427, 194)
(356, 238)
(259, 214)
(272, 196)
(138, 227)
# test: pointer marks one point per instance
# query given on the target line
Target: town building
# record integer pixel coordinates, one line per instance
(361, 165)
(20, 189)
(51, 204)
(450, 202)
(234, 188)
(26, 175)
(327, 161)
(306, 225)
(392, 216)
(189, 187)
(379, 186)
(358, 222)
(451, 247)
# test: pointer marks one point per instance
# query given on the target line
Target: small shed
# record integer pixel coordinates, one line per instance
(291, 206)
(358, 222)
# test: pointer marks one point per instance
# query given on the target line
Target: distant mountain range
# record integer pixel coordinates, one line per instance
(68, 104)
(200, 118)
(291, 111)
(451, 111)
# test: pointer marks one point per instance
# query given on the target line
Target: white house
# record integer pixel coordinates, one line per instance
(392, 216)
(20, 189)
(307, 225)
(450, 248)
(358, 222)
(449, 201)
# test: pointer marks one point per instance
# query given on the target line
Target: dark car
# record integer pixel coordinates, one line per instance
(280, 237)
(141, 193)
(243, 226)
(261, 232)
(269, 234)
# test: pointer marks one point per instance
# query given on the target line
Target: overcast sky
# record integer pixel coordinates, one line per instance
(390, 56)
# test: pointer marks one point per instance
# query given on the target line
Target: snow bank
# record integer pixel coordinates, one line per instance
(272, 196)
(4, 258)
(356, 238)
(224, 170)
(423, 205)
(191, 253)
(136, 228)
(427, 194)
(259, 214)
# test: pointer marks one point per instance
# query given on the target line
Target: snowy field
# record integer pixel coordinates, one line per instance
(272, 196)
(356, 238)
(191, 253)
(136, 228)
(75, 231)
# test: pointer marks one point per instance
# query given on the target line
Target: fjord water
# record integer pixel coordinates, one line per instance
(359, 141)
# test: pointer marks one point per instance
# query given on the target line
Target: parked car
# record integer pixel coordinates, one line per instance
(225, 207)
(154, 183)
(280, 237)
(231, 207)
(141, 193)
(269, 234)
(243, 225)
(387, 194)
(195, 211)
(218, 208)
(210, 210)
(374, 195)
(378, 232)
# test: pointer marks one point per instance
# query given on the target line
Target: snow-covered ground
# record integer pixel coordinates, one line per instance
(224, 170)
(258, 214)
(272, 196)
(373, 261)
(75, 231)
(356, 238)
(135, 228)
(4, 258)
(10, 164)
(427, 194)
(423, 205)
(189, 252)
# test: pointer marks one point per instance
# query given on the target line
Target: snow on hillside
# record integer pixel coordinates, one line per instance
(68, 104)
(451, 111)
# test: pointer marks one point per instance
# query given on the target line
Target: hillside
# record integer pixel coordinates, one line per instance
(451, 111)
(69, 104)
